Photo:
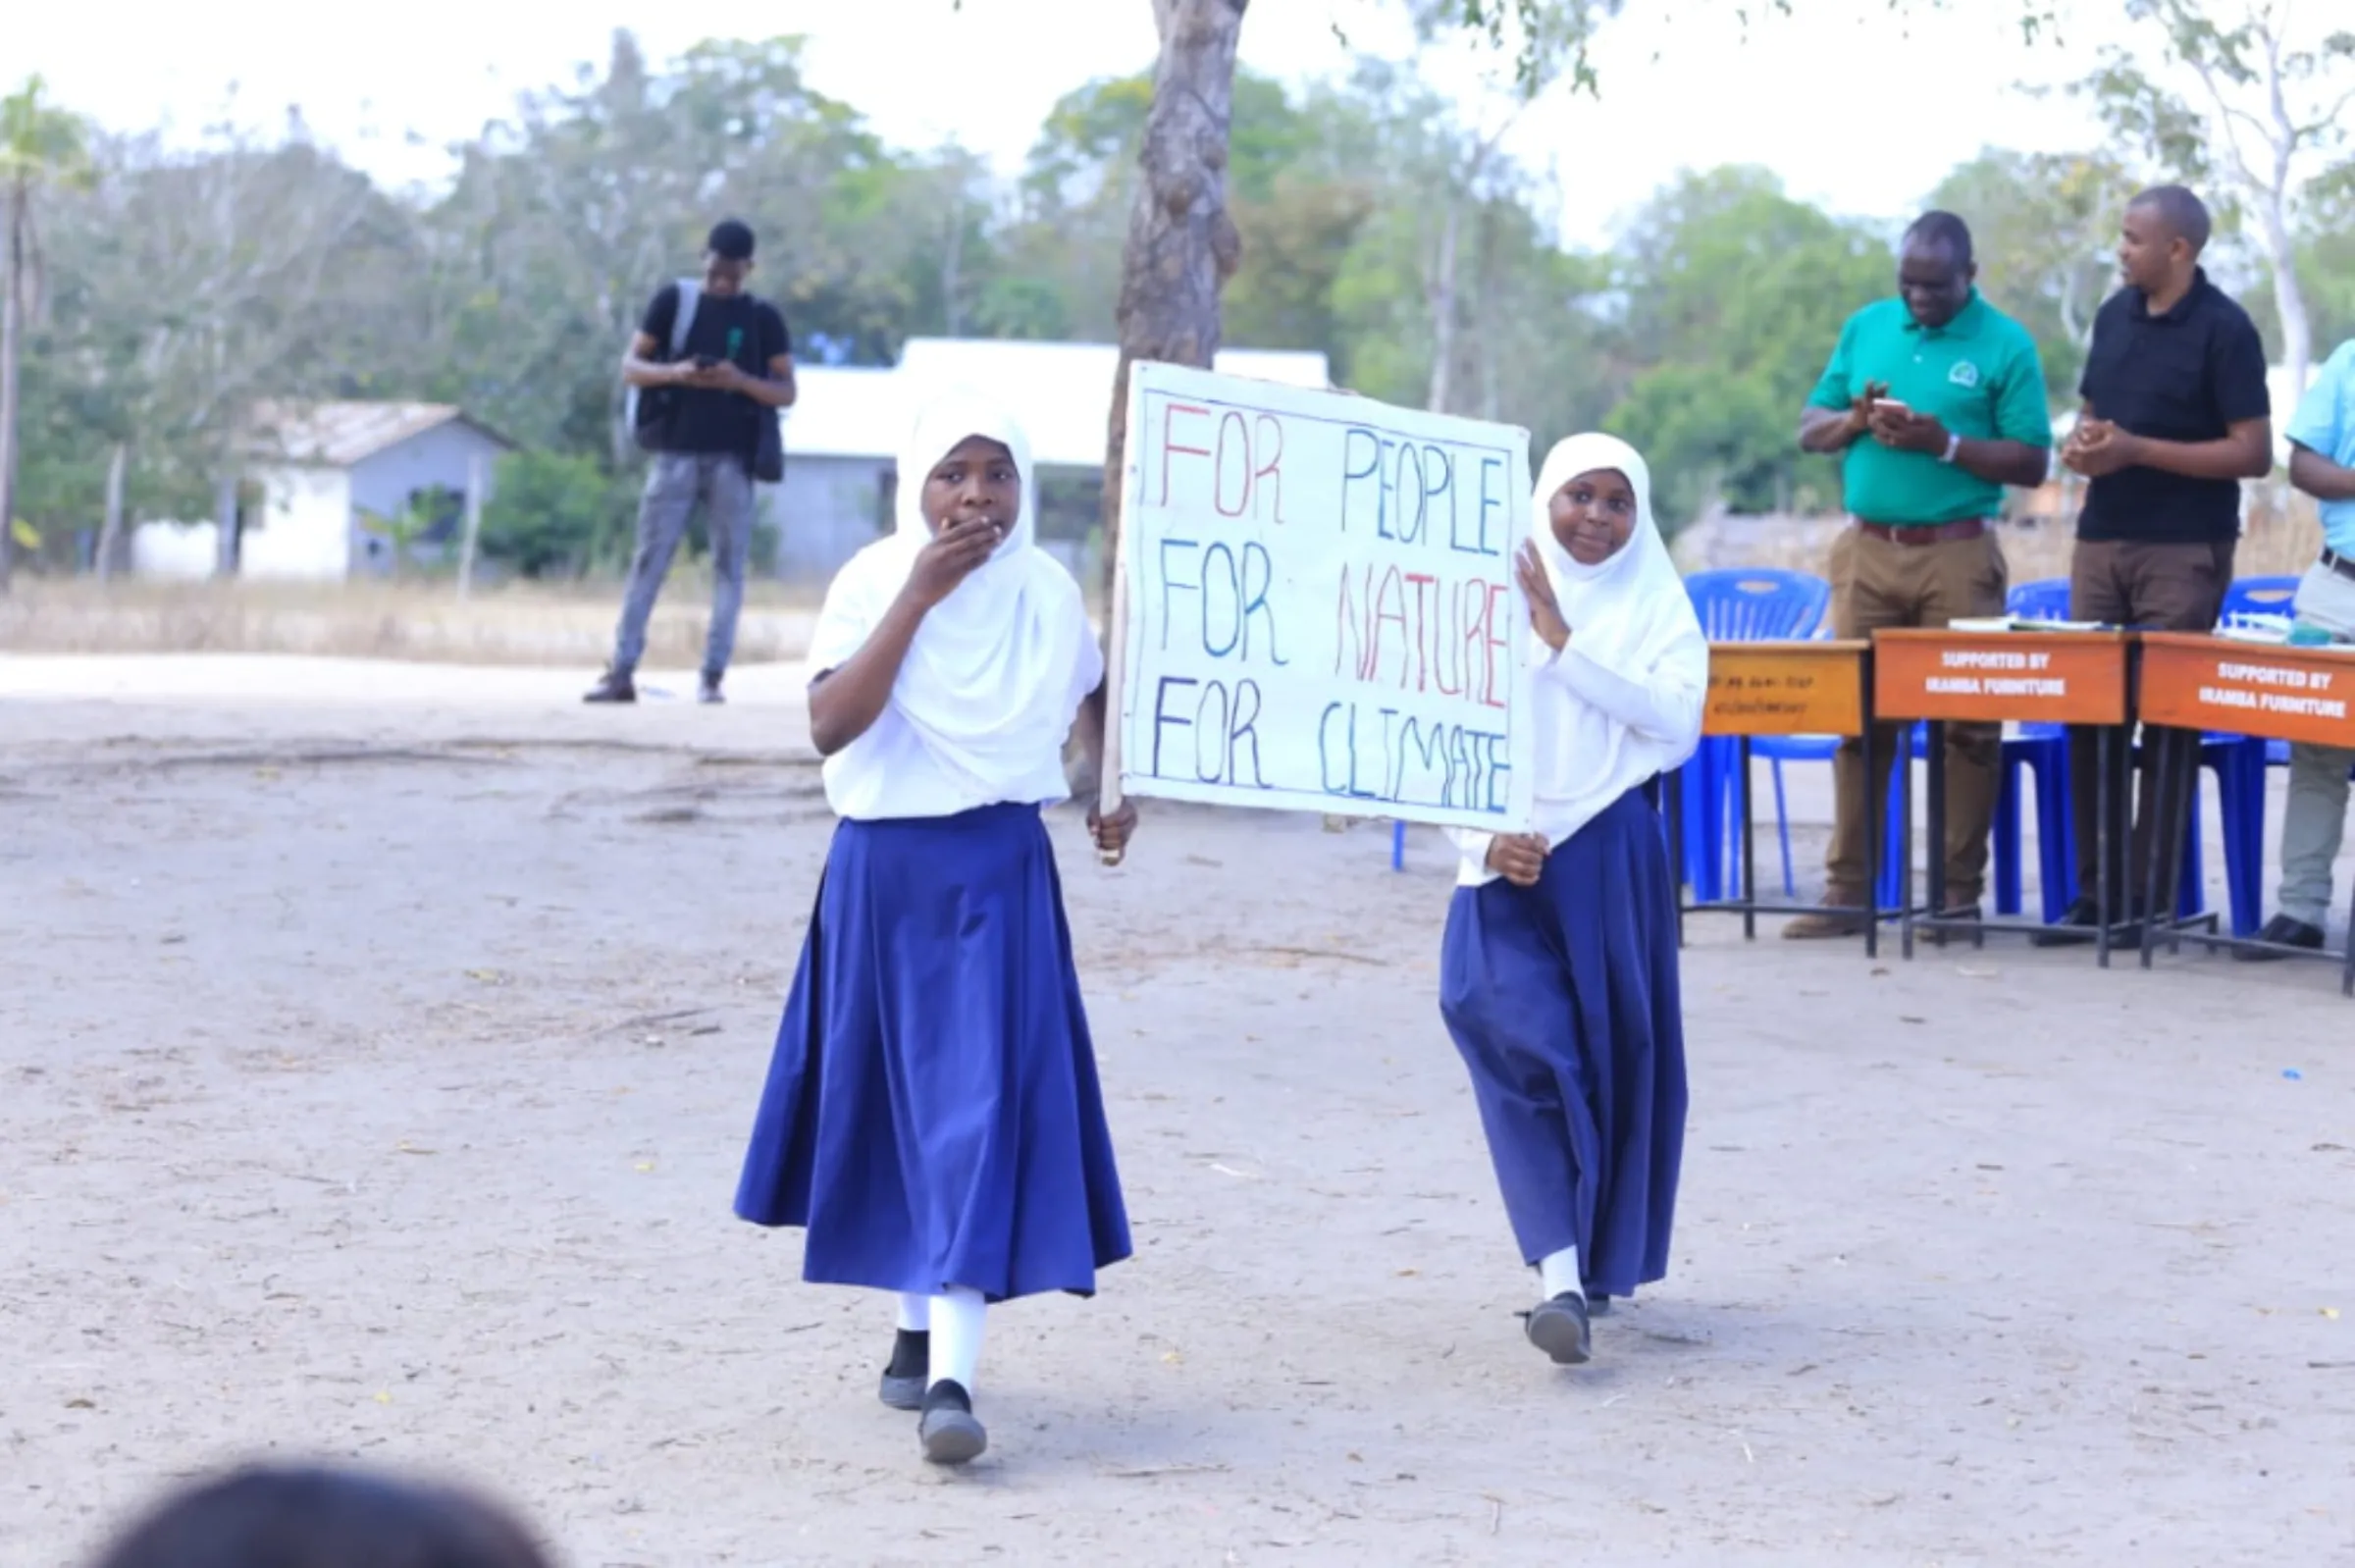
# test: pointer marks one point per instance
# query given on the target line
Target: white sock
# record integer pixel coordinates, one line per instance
(915, 1313)
(1558, 1274)
(958, 1315)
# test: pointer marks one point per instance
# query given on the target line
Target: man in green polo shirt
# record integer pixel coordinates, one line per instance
(1934, 402)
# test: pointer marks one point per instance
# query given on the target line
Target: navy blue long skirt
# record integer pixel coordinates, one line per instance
(933, 1115)
(1563, 1000)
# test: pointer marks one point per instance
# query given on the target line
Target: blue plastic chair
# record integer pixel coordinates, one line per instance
(1740, 606)
(2258, 595)
(2261, 596)
(2042, 748)
(2240, 762)
(1759, 605)
(1781, 748)
(2038, 755)
(1734, 605)
(2041, 751)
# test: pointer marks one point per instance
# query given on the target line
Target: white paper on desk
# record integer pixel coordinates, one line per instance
(2254, 627)
(2019, 623)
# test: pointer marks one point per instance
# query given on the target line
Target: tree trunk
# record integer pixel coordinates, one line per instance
(1494, 303)
(952, 276)
(2075, 325)
(1441, 295)
(114, 544)
(225, 523)
(2289, 301)
(11, 321)
(1183, 246)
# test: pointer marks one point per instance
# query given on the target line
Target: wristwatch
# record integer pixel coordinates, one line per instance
(1954, 445)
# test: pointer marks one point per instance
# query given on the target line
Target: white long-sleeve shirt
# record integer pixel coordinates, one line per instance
(1664, 705)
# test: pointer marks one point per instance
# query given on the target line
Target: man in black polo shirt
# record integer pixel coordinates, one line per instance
(734, 369)
(2175, 415)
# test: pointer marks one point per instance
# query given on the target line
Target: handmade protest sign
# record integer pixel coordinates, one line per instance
(1315, 609)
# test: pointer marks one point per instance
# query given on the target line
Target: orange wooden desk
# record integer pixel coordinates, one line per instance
(1788, 687)
(1783, 688)
(1944, 676)
(2193, 684)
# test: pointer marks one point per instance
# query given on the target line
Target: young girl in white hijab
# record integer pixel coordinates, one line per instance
(1558, 976)
(933, 1115)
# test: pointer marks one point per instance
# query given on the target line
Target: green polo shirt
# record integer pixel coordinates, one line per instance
(1978, 375)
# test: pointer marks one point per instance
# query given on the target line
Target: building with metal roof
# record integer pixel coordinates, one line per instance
(842, 437)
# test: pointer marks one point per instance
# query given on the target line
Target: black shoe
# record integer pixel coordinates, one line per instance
(2283, 932)
(1598, 1305)
(1559, 1328)
(614, 686)
(1940, 937)
(709, 692)
(2073, 930)
(909, 1370)
(950, 1433)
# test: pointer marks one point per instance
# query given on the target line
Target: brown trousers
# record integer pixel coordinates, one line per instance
(1877, 584)
(2162, 587)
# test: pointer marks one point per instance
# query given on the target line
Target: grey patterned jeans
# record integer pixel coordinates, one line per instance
(2316, 819)
(723, 484)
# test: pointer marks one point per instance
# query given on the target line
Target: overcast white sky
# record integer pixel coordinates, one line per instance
(1855, 110)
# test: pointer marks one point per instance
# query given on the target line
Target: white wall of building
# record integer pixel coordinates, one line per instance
(313, 523)
(302, 528)
(382, 482)
(180, 551)
(826, 510)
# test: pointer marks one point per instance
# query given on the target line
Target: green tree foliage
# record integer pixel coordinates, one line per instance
(43, 154)
(556, 514)
(2046, 228)
(2250, 98)
(1382, 223)
(1734, 294)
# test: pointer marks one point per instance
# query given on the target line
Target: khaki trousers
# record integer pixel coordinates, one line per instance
(2150, 587)
(1879, 583)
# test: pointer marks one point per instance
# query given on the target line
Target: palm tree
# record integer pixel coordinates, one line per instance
(41, 148)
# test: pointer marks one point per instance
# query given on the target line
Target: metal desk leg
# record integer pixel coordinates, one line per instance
(2104, 740)
(2177, 826)
(2346, 976)
(1875, 827)
(1904, 841)
(2166, 846)
(1934, 832)
(1749, 846)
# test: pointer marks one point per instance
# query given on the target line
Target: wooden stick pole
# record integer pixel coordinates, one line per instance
(1116, 660)
(476, 471)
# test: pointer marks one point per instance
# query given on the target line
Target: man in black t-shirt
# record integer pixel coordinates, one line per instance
(735, 369)
(2176, 416)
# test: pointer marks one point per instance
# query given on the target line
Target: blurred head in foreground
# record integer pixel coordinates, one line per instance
(318, 1518)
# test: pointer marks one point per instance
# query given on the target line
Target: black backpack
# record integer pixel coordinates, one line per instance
(647, 409)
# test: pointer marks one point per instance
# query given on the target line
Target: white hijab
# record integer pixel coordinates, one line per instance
(1631, 617)
(998, 670)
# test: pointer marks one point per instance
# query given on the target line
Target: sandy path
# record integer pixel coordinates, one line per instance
(376, 1077)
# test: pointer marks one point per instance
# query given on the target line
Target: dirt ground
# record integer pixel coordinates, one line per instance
(379, 1042)
(516, 623)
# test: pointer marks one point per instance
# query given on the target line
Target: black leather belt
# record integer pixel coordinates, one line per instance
(1922, 533)
(2339, 564)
